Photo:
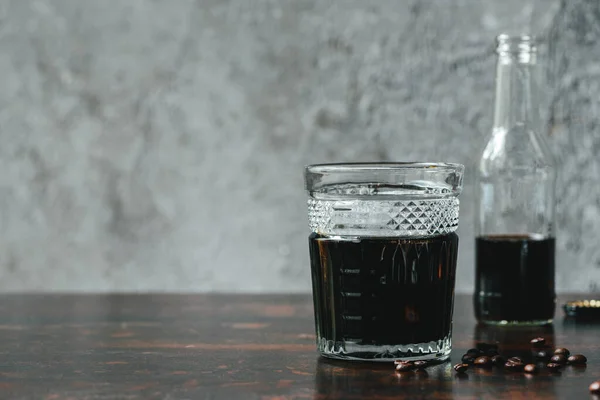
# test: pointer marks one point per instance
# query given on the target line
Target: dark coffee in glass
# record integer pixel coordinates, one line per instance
(383, 259)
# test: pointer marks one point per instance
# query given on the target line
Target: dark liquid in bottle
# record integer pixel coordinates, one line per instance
(383, 291)
(514, 279)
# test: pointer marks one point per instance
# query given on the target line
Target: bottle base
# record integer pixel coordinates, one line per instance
(540, 322)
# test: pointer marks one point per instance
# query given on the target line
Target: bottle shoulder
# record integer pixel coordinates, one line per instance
(516, 149)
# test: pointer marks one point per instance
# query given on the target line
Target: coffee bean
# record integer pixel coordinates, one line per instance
(595, 387)
(483, 362)
(474, 352)
(405, 366)
(498, 360)
(562, 351)
(468, 359)
(530, 369)
(516, 360)
(512, 366)
(538, 342)
(542, 354)
(577, 359)
(558, 359)
(461, 367)
(492, 353)
(420, 364)
(554, 366)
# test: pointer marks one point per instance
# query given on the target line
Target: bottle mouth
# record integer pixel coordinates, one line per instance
(521, 44)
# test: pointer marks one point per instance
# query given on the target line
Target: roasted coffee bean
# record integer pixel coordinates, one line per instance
(512, 366)
(474, 352)
(461, 367)
(492, 353)
(530, 369)
(577, 359)
(483, 362)
(595, 387)
(405, 366)
(562, 351)
(558, 359)
(516, 360)
(420, 364)
(468, 359)
(538, 342)
(554, 366)
(542, 354)
(498, 360)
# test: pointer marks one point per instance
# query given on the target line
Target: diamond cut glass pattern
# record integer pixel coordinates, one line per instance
(383, 218)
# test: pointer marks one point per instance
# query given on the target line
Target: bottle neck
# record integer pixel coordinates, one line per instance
(514, 104)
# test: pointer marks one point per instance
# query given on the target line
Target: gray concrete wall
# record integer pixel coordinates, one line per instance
(158, 145)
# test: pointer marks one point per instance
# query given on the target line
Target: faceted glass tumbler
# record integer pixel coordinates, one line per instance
(383, 252)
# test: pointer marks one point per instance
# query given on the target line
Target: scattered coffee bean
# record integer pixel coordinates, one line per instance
(515, 360)
(562, 351)
(595, 387)
(498, 360)
(512, 366)
(577, 359)
(405, 366)
(483, 362)
(538, 342)
(468, 359)
(530, 369)
(558, 359)
(461, 367)
(474, 352)
(420, 364)
(491, 353)
(554, 366)
(542, 354)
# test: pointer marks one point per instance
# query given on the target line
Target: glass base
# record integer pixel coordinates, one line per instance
(345, 350)
(539, 322)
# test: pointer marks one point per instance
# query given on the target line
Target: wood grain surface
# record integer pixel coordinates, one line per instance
(245, 347)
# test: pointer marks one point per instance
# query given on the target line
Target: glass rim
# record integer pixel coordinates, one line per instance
(367, 167)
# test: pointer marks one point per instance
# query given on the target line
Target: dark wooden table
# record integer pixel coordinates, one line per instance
(243, 347)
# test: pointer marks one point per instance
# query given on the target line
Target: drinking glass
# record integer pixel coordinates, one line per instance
(383, 252)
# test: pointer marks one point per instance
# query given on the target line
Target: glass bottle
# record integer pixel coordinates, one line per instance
(514, 249)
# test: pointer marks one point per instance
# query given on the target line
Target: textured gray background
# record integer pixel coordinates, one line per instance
(159, 145)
